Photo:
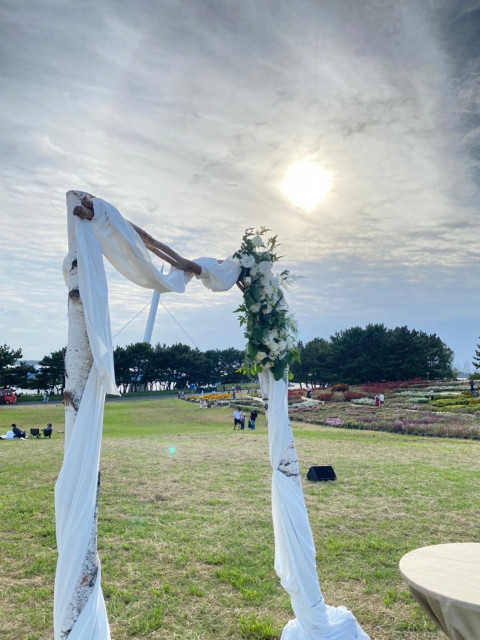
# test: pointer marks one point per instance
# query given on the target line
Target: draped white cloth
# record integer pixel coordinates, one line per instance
(294, 548)
(76, 489)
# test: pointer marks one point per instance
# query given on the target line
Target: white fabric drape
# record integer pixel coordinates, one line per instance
(76, 489)
(294, 549)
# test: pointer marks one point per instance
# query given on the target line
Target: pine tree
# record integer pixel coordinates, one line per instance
(476, 359)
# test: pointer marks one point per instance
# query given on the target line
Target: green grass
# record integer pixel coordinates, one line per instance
(185, 533)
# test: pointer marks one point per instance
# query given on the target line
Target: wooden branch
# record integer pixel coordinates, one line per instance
(163, 251)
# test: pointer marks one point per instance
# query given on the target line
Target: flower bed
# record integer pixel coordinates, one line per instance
(324, 396)
(407, 421)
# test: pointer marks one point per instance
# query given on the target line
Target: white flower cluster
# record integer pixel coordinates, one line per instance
(276, 344)
(363, 401)
(268, 327)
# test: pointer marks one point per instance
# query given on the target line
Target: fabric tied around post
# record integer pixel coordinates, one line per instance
(295, 562)
(108, 234)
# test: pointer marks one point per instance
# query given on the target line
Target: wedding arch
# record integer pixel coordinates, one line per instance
(97, 229)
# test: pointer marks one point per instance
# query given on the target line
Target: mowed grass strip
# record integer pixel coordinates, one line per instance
(185, 533)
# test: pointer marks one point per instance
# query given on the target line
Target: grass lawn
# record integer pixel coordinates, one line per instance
(185, 533)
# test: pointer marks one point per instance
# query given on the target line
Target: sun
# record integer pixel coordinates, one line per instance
(306, 184)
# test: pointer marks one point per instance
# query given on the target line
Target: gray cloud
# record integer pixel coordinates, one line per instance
(186, 117)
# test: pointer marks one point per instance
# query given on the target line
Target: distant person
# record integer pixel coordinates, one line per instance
(309, 393)
(252, 419)
(45, 397)
(377, 401)
(237, 414)
(17, 433)
(242, 422)
(47, 432)
(381, 397)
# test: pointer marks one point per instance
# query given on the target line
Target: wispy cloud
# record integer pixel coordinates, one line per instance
(187, 115)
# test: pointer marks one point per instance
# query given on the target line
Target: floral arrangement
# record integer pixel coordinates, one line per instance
(269, 328)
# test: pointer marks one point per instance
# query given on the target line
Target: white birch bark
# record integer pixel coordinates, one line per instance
(78, 357)
(78, 362)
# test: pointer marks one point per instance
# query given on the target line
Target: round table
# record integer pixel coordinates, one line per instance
(445, 580)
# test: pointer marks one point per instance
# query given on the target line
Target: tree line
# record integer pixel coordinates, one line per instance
(138, 366)
(141, 365)
(373, 354)
(354, 355)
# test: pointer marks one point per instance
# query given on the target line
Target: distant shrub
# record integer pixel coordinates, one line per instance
(341, 386)
(352, 395)
(324, 396)
(391, 385)
(295, 392)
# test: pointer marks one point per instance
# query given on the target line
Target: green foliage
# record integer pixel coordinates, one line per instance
(315, 365)
(52, 372)
(254, 629)
(8, 356)
(476, 358)
(269, 328)
(176, 366)
(374, 354)
(12, 372)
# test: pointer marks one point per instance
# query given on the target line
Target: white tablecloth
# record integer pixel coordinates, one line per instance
(445, 580)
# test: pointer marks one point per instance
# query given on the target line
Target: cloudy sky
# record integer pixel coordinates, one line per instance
(187, 115)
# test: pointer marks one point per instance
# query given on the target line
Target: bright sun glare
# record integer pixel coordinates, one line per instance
(306, 184)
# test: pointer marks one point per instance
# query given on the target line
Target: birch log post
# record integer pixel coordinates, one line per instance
(78, 357)
(78, 363)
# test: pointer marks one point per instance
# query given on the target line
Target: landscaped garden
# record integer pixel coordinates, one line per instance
(422, 408)
(185, 533)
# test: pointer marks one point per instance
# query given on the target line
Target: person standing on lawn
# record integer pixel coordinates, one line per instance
(237, 415)
(252, 419)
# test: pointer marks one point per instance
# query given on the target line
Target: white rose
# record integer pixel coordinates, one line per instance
(254, 271)
(247, 261)
(265, 267)
(257, 241)
(255, 308)
(247, 280)
(282, 345)
(268, 309)
(261, 355)
(269, 280)
(268, 290)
